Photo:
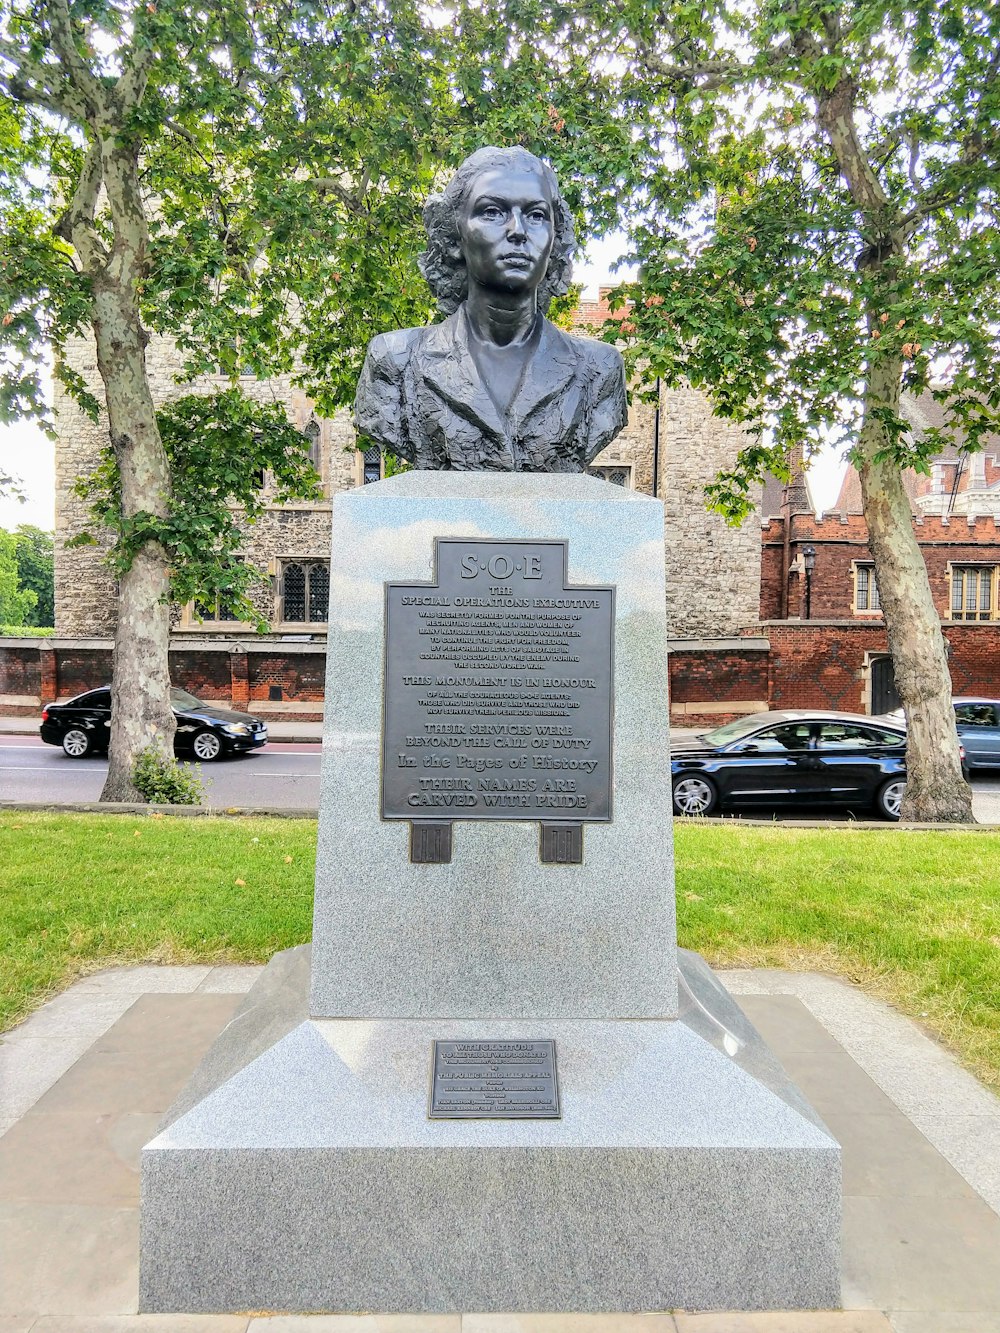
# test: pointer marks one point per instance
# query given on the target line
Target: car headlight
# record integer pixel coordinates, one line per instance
(236, 728)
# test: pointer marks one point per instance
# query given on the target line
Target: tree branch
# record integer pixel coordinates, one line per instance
(182, 133)
(78, 73)
(34, 83)
(138, 63)
(949, 191)
(77, 224)
(329, 185)
(974, 148)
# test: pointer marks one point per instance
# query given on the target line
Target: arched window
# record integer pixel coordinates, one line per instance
(305, 592)
(312, 433)
(617, 476)
(372, 465)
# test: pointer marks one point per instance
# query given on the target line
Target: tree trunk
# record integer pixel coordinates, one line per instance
(936, 791)
(140, 692)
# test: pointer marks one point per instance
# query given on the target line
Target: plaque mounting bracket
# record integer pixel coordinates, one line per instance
(561, 845)
(430, 842)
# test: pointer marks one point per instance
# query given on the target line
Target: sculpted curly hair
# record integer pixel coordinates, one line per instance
(442, 264)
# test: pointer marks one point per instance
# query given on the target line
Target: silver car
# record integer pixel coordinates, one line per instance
(978, 724)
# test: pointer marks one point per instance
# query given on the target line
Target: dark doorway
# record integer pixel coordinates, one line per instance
(885, 696)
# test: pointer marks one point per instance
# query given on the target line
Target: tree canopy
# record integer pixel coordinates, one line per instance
(33, 554)
(16, 602)
(245, 181)
(821, 190)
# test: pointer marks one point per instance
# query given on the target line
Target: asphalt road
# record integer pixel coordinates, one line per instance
(284, 775)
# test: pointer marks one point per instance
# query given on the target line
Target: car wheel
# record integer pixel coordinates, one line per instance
(206, 746)
(77, 743)
(890, 798)
(694, 795)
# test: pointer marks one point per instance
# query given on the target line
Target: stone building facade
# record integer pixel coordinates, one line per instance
(712, 570)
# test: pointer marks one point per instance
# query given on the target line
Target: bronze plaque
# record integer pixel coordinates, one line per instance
(494, 1080)
(498, 688)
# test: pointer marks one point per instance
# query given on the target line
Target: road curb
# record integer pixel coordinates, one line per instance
(294, 812)
(140, 808)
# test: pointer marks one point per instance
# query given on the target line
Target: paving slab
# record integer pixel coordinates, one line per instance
(230, 980)
(74, 1157)
(568, 1323)
(152, 1022)
(971, 1143)
(69, 1259)
(902, 1253)
(921, 1243)
(141, 1323)
(791, 1321)
(146, 979)
(885, 1156)
(921, 1321)
(29, 1068)
(72, 1014)
(358, 1323)
(873, 1034)
(125, 1072)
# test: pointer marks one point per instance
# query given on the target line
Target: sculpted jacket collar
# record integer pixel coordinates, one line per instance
(449, 370)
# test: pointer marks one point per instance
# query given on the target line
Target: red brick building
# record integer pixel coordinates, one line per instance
(819, 605)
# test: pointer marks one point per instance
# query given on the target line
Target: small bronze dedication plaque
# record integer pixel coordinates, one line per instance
(498, 689)
(494, 1080)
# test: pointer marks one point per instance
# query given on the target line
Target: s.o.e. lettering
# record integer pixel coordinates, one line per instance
(502, 566)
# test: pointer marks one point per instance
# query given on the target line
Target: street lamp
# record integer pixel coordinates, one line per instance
(808, 564)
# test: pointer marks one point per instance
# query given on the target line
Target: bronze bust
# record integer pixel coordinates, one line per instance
(495, 386)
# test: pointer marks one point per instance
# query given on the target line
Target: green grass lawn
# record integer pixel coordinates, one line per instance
(911, 916)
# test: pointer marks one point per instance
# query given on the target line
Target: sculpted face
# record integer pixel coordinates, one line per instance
(507, 228)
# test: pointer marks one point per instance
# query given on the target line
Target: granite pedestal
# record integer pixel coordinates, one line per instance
(300, 1170)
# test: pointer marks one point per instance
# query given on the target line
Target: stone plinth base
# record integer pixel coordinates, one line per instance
(300, 1172)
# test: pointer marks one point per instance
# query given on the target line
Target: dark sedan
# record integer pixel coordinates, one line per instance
(793, 757)
(82, 726)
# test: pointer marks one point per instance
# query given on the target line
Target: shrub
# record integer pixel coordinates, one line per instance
(164, 781)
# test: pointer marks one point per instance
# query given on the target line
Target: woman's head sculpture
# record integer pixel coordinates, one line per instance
(494, 386)
(443, 264)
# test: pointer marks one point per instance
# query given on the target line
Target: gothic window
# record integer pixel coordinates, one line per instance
(372, 465)
(305, 592)
(866, 596)
(213, 610)
(618, 475)
(974, 592)
(209, 610)
(312, 434)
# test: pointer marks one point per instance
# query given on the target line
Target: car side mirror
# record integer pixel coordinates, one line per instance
(749, 748)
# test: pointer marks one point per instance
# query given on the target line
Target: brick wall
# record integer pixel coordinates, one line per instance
(711, 683)
(242, 673)
(841, 541)
(20, 670)
(800, 664)
(817, 665)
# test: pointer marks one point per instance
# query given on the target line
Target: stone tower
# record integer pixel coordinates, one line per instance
(713, 571)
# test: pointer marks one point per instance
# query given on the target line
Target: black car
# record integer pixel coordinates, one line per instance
(793, 757)
(82, 725)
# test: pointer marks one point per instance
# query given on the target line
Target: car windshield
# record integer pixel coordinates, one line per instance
(181, 699)
(732, 731)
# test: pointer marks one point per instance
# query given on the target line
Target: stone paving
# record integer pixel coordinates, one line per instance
(84, 1082)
